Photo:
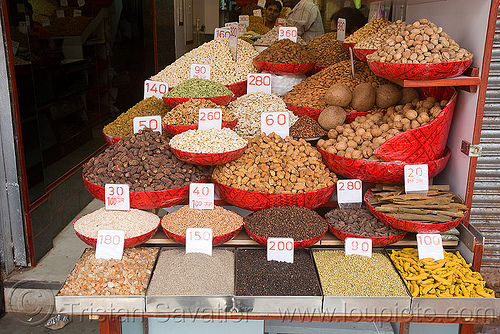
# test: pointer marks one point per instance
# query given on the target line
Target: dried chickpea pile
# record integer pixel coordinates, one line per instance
(375, 40)
(450, 277)
(272, 164)
(310, 92)
(272, 36)
(188, 112)
(358, 139)
(372, 27)
(286, 52)
(420, 43)
(327, 49)
(128, 276)
(208, 141)
(123, 125)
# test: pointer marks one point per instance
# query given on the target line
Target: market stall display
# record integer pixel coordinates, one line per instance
(327, 50)
(198, 88)
(285, 57)
(307, 128)
(271, 37)
(371, 43)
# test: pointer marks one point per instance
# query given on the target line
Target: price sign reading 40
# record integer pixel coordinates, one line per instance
(416, 179)
(109, 244)
(341, 24)
(200, 71)
(201, 196)
(349, 191)
(259, 82)
(430, 246)
(209, 118)
(280, 249)
(359, 246)
(222, 33)
(277, 122)
(155, 88)
(152, 122)
(288, 32)
(117, 197)
(199, 240)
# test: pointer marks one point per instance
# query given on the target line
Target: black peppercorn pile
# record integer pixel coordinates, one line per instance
(255, 276)
(144, 162)
(286, 222)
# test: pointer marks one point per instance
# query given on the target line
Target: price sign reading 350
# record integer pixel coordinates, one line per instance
(430, 246)
(258, 82)
(200, 71)
(152, 122)
(116, 197)
(199, 240)
(349, 191)
(416, 179)
(209, 118)
(359, 246)
(280, 249)
(201, 196)
(155, 88)
(288, 32)
(109, 244)
(276, 122)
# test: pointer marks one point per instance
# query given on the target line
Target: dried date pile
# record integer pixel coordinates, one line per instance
(144, 162)
(286, 52)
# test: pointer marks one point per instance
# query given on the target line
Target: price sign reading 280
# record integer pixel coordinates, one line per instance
(349, 191)
(152, 122)
(201, 196)
(359, 246)
(288, 33)
(259, 82)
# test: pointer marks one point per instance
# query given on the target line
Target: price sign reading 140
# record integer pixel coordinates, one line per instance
(430, 246)
(280, 249)
(288, 32)
(201, 196)
(209, 118)
(152, 122)
(200, 71)
(258, 82)
(359, 246)
(199, 240)
(276, 122)
(109, 244)
(416, 179)
(155, 88)
(349, 191)
(116, 197)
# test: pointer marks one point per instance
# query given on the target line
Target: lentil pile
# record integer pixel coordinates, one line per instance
(359, 222)
(220, 220)
(272, 36)
(123, 125)
(193, 274)
(133, 222)
(357, 275)
(286, 52)
(372, 27)
(327, 49)
(272, 164)
(375, 40)
(144, 162)
(286, 222)
(255, 276)
(188, 112)
(198, 88)
(306, 127)
(128, 276)
(208, 141)
(216, 53)
(248, 108)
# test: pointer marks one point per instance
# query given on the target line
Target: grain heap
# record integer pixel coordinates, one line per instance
(286, 52)
(372, 27)
(327, 49)
(208, 141)
(306, 127)
(187, 113)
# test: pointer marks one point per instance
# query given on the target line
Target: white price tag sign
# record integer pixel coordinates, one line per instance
(109, 244)
(280, 21)
(59, 13)
(359, 246)
(349, 191)
(244, 19)
(261, 3)
(15, 47)
(81, 3)
(200, 71)
(280, 249)
(233, 39)
(209, 118)
(201, 196)
(45, 21)
(257, 12)
(259, 82)
(23, 28)
(152, 122)
(430, 246)
(341, 29)
(277, 122)
(155, 88)
(77, 13)
(288, 33)
(27, 19)
(241, 29)
(117, 197)
(416, 179)
(199, 240)
(64, 3)
(222, 33)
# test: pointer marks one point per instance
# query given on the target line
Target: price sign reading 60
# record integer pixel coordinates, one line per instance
(277, 122)
(359, 246)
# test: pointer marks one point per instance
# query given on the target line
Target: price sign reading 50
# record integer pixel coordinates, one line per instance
(200, 71)
(259, 82)
(416, 179)
(359, 246)
(277, 122)
(155, 88)
(201, 196)
(152, 122)
(280, 249)
(349, 191)
(199, 240)
(116, 197)
(430, 246)
(110, 244)
(288, 32)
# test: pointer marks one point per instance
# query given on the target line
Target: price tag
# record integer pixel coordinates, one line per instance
(349, 191)
(280, 249)
(360, 246)
(27, 19)
(222, 33)
(416, 179)
(277, 122)
(15, 47)
(280, 21)
(341, 29)
(261, 3)
(45, 21)
(209, 118)
(200, 71)
(201, 196)
(352, 62)
(152, 122)
(257, 12)
(109, 244)
(288, 32)
(155, 88)
(259, 82)
(241, 29)
(116, 197)
(20, 8)
(244, 19)
(77, 13)
(59, 13)
(233, 39)
(23, 28)
(64, 3)
(430, 246)
(199, 240)
(81, 3)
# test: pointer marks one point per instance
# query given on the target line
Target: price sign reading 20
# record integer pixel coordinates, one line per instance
(259, 82)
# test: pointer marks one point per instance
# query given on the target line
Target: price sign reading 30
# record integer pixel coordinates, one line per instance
(116, 197)
(430, 246)
(276, 122)
(109, 244)
(199, 240)
(280, 249)
(416, 179)
(201, 196)
(359, 246)
(259, 82)
(288, 32)
(152, 122)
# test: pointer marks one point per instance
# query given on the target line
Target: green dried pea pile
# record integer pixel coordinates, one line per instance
(198, 88)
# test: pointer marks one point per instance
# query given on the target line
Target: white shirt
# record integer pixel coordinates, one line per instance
(307, 18)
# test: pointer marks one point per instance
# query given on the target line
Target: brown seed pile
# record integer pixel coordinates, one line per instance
(310, 92)
(306, 127)
(293, 222)
(286, 52)
(123, 125)
(128, 276)
(220, 220)
(372, 27)
(144, 162)
(188, 112)
(327, 49)
(272, 164)
(359, 222)
(375, 41)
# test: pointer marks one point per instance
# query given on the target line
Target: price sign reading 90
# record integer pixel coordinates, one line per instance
(259, 82)
(280, 249)
(201, 196)
(359, 246)
(110, 244)
(416, 179)
(430, 246)
(199, 240)
(277, 122)
(152, 122)
(154, 88)
(288, 32)
(200, 71)
(116, 197)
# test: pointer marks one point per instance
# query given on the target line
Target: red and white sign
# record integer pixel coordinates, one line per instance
(430, 246)
(359, 246)
(117, 197)
(288, 32)
(200, 71)
(261, 3)
(341, 24)
(280, 249)
(201, 196)
(81, 3)
(15, 47)
(349, 191)
(233, 39)
(280, 21)
(222, 33)
(257, 12)
(199, 240)
(155, 88)
(77, 13)
(59, 13)
(152, 122)
(416, 179)
(277, 122)
(259, 82)
(241, 29)
(110, 244)
(209, 118)
(244, 19)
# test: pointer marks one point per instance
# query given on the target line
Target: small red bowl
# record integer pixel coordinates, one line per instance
(348, 45)
(377, 171)
(147, 199)
(253, 201)
(419, 71)
(216, 240)
(110, 139)
(317, 68)
(362, 53)
(238, 88)
(376, 241)
(208, 158)
(219, 100)
(175, 129)
(409, 226)
(314, 113)
(280, 68)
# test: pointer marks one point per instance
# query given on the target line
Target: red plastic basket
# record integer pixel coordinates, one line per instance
(317, 68)
(419, 71)
(407, 225)
(376, 171)
(376, 241)
(280, 68)
(238, 88)
(362, 53)
(208, 158)
(216, 240)
(175, 129)
(297, 244)
(110, 139)
(348, 45)
(219, 100)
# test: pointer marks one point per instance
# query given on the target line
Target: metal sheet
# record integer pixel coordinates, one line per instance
(455, 306)
(383, 306)
(189, 304)
(88, 305)
(279, 304)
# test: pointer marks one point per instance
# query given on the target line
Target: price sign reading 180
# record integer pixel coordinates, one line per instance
(110, 244)
(201, 196)
(288, 32)
(359, 246)
(116, 197)
(200, 71)
(416, 179)
(199, 240)
(280, 249)
(430, 246)
(155, 88)
(277, 122)
(259, 82)
(152, 122)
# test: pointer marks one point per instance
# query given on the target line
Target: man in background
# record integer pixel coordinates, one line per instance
(306, 17)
